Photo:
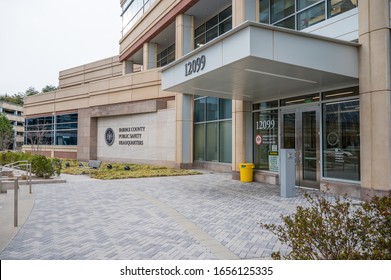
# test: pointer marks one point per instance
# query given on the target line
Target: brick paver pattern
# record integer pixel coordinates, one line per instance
(152, 218)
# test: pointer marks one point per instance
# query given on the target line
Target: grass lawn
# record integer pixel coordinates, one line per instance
(118, 170)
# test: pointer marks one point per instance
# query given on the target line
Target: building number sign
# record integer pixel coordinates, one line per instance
(269, 124)
(195, 66)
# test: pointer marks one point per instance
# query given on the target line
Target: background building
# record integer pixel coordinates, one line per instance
(212, 84)
(14, 114)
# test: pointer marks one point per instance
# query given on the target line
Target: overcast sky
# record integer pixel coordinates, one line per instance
(39, 38)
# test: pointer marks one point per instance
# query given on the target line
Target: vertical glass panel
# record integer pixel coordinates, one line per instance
(211, 108)
(281, 9)
(309, 145)
(225, 144)
(338, 7)
(301, 4)
(266, 140)
(66, 137)
(199, 142)
(225, 109)
(311, 16)
(264, 11)
(212, 22)
(288, 23)
(225, 26)
(288, 131)
(200, 41)
(199, 110)
(212, 33)
(341, 140)
(225, 14)
(211, 141)
(200, 30)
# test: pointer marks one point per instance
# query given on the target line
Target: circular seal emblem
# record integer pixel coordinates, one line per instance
(109, 136)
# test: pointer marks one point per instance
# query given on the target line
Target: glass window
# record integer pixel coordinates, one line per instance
(211, 108)
(199, 141)
(166, 56)
(132, 11)
(212, 33)
(200, 30)
(66, 118)
(66, 126)
(266, 140)
(311, 16)
(301, 4)
(225, 26)
(227, 13)
(225, 143)
(264, 11)
(199, 110)
(225, 109)
(41, 131)
(340, 6)
(341, 140)
(213, 129)
(212, 22)
(288, 23)
(211, 140)
(281, 9)
(200, 41)
(66, 137)
(213, 28)
(289, 131)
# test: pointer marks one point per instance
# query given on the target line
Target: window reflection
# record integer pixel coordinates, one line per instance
(311, 16)
(341, 6)
(301, 13)
(281, 9)
(341, 140)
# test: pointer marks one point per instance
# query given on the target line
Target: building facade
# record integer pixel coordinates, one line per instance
(212, 84)
(14, 114)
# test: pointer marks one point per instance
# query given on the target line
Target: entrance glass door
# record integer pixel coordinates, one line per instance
(300, 131)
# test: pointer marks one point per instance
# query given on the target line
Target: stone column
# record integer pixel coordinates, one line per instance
(184, 43)
(150, 56)
(375, 101)
(87, 139)
(241, 135)
(127, 67)
(244, 10)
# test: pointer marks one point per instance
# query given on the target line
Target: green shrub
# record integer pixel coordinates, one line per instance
(337, 230)
(42, 166)
(57, 166)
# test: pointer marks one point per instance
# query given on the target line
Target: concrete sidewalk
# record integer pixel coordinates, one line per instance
(207, 216)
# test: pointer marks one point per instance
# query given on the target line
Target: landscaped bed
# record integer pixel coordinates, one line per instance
(118, 170)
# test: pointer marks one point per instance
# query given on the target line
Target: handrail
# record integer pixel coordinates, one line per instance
(15, 165)
(16, 196)
(11, 165)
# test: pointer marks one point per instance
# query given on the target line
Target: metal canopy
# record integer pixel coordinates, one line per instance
(257, 62)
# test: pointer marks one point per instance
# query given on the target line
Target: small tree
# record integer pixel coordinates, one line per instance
(6, 133)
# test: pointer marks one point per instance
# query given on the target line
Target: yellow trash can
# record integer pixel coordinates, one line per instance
(246, 172)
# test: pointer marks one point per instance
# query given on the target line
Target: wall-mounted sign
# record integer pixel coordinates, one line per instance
(273, 161)
(258, 139)
(109, 136)
(332, 138)
(195, 66)
(130, 136)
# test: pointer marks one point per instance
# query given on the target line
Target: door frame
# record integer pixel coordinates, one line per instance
(299, 162)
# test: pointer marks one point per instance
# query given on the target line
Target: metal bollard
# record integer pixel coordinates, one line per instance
(16, 189)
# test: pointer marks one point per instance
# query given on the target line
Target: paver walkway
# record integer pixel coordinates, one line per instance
(207, 216)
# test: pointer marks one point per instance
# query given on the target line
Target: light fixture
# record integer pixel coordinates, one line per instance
(281, 76)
